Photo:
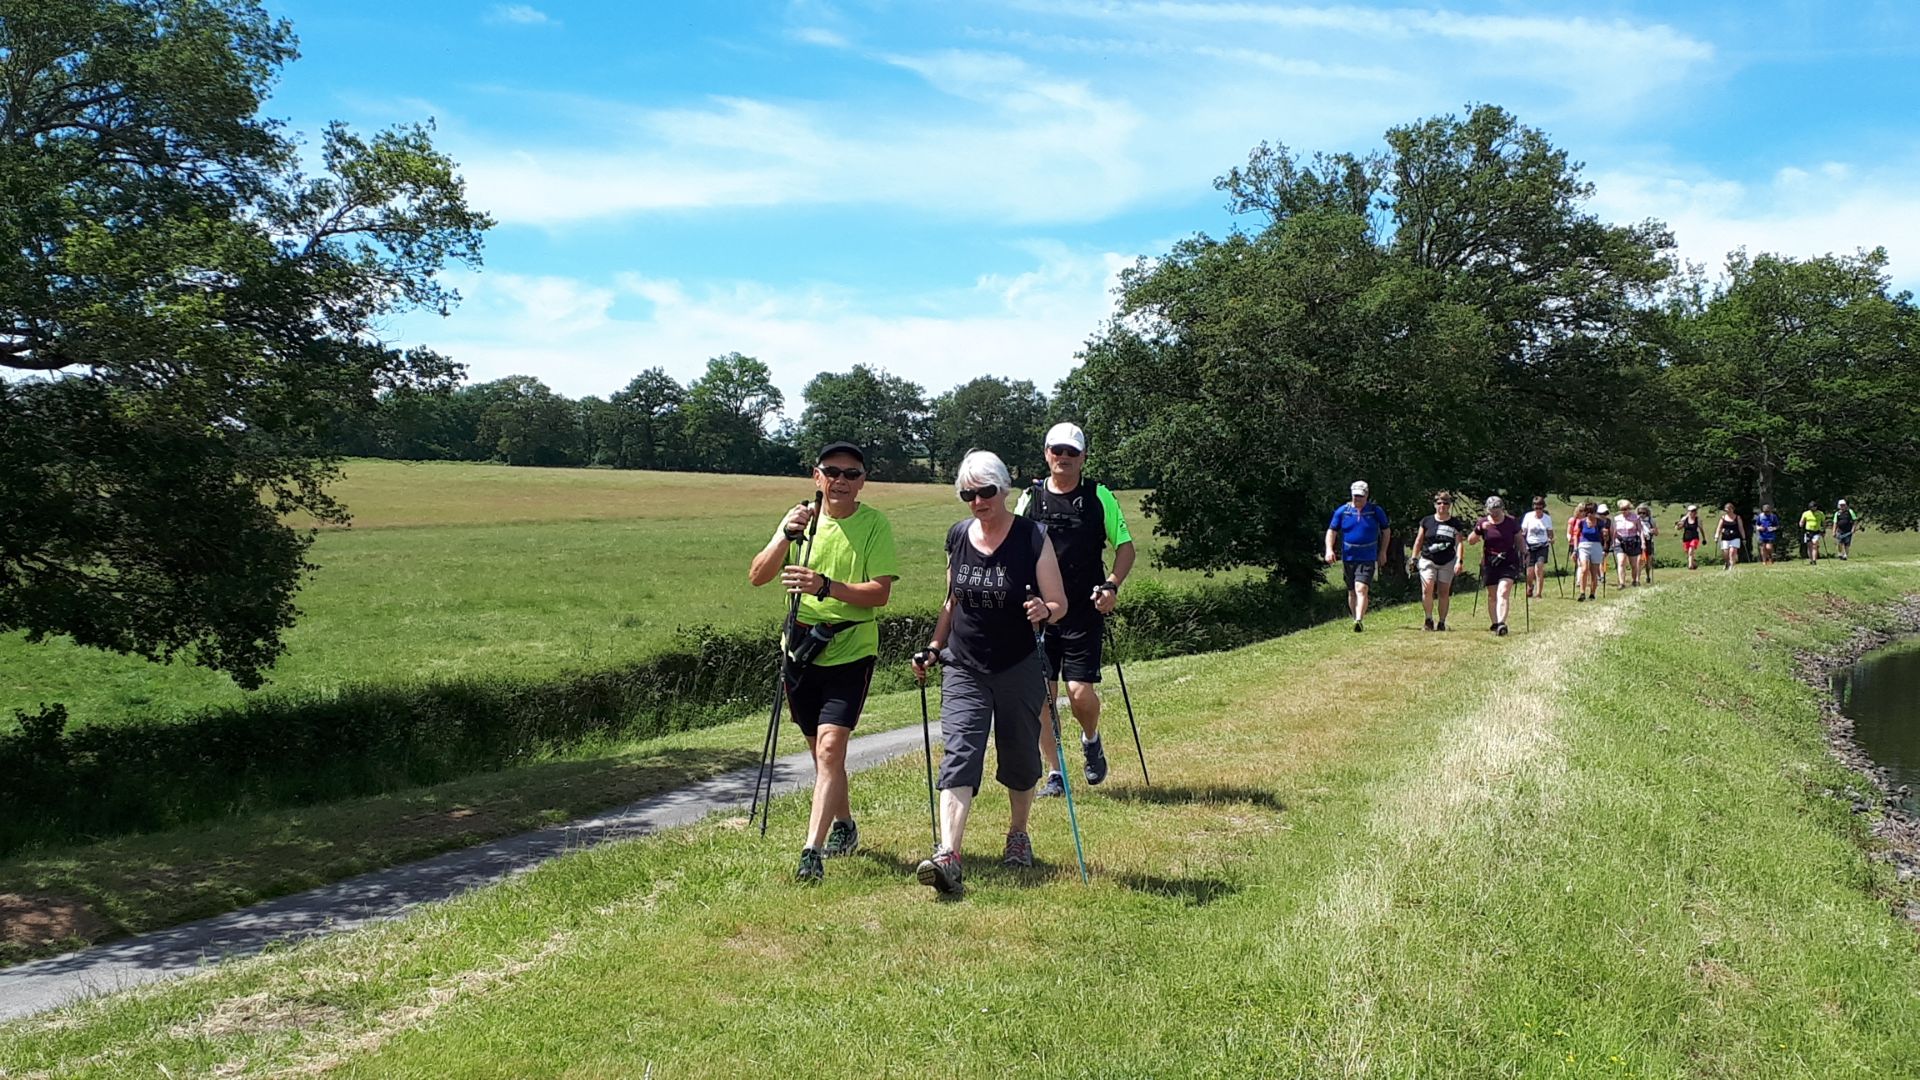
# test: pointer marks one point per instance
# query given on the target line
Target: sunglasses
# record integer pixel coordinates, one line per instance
(835, 472)
(967, 495)
(1065, 451)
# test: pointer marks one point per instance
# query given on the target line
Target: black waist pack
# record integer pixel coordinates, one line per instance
(805, 644)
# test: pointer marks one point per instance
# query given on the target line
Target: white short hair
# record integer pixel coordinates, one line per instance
(982, 467)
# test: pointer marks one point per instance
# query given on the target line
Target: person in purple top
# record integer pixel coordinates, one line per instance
(1501, 560)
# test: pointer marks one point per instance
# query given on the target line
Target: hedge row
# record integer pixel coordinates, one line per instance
(61, 785)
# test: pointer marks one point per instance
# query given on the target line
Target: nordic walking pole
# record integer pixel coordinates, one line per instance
(1529, 612)
(926, 741)
(763, 780)
(1554, 551)
(1124, 696)
(1478, 587)
(1059, 749)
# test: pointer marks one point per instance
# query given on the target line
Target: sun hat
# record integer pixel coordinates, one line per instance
(1065, 434)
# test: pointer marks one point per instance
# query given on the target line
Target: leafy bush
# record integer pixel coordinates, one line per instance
(278, 750)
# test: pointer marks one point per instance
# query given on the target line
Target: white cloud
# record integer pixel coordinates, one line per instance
(519, 15)
(1800, 211)
(821, 36)
(1050, 128)
(576, 337)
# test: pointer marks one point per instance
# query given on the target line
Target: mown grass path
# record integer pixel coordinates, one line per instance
(1607, 848)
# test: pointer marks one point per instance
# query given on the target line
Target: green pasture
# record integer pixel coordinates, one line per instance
(454, 569)
(1614, 847)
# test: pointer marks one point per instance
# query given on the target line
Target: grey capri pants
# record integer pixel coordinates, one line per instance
(1008, 703)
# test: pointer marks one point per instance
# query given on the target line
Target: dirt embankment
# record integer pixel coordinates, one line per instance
(1897, 826)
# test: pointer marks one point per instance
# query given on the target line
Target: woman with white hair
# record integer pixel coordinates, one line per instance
(1003, 581)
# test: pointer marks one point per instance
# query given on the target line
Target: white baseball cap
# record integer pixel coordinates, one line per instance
(1359, 487)
(1842, 502)
(1064, 434)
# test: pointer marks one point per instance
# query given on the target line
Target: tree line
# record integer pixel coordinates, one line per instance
(729, 420)
(191, 311)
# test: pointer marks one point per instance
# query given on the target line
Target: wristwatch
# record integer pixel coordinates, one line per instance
(1109, 586)
(826, 586)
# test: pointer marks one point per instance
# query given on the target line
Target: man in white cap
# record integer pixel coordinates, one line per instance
(1359, 526)
(1843, 525)
(1081, 519)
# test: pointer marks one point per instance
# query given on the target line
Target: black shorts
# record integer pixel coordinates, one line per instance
(1503, 570)
(1073, 648)
(1358, 573)
(1630, 546)
(1809, 539)
(1538, 553)
(831, 695)
(1843, 538)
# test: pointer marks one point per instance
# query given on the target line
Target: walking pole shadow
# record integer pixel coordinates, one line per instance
(1200, 795)
(1190, 892)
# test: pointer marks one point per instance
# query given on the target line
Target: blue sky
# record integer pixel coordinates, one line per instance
(946, 190)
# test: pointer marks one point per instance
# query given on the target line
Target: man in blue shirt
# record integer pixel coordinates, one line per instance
(1361, 527)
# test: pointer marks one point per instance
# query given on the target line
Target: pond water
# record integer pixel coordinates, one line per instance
(1881, 695)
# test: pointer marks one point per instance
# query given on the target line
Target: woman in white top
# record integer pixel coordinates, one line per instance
(1630, 542)
(1537, 530)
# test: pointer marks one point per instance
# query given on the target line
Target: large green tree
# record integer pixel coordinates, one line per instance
(648, 410)
(726, 415)
(1794, 380)
(885, 414)
(1008, 417)
(1444, 314)
(186, 317)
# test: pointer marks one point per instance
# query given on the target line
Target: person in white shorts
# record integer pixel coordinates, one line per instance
(1438, 551)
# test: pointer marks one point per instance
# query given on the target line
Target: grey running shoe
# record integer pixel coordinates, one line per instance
(942, 872)
(1096, 755)
(842, 838)
(811, 868)
(1019, 852)
(1356, 626)
(1053, 786)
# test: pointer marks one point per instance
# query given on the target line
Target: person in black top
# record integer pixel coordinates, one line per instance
(1002, 581)
(1437, 549)
(1689, 526)
(1082, 518)
(1844, 520)
(1733, 532)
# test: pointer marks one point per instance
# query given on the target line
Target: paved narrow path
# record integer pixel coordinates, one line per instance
(35, 987)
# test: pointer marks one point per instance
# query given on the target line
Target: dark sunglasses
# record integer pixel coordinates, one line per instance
(967, 495)
(835, 472)
(1065, 451)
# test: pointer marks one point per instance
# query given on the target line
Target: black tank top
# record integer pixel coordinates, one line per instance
(990, 631)
(1729, 528)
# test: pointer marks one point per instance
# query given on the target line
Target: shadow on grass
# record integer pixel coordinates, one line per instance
(1199, 795)
(1193, 892)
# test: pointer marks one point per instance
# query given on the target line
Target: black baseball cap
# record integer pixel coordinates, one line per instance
(831, 449)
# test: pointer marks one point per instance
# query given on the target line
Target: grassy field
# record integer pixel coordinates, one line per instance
(1603, 849)
(454, 569)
